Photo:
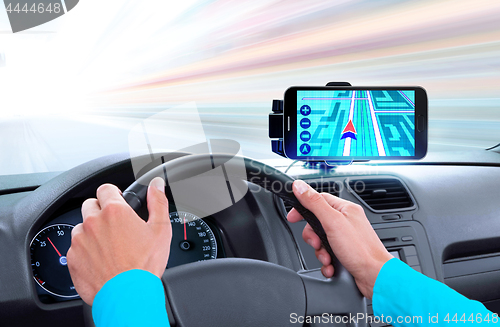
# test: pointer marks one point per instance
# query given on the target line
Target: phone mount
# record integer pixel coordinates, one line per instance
(276, 134)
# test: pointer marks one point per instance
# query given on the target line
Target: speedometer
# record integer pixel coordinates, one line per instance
(192, 240)
(48, 260)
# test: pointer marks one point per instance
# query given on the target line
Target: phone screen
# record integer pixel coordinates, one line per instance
(355, 123)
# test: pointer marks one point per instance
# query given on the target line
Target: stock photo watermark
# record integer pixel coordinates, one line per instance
(429, 319)
(26, 14)
(220, 166)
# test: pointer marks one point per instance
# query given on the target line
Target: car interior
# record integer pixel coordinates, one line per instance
(440, 214)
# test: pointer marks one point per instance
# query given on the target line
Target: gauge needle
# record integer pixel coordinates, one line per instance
(185, 232)
(54, 247)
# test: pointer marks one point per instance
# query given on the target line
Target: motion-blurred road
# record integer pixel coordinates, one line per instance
(57, 143)
(71, 89)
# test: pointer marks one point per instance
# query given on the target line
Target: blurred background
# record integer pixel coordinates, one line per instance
(72, 89)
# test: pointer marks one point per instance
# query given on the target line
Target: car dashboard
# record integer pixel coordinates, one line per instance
(441, 218)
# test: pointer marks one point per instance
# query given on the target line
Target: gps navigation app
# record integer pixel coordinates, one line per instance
(355, 123)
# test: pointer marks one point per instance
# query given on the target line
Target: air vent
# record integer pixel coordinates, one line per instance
(321, 186)
(382, 194)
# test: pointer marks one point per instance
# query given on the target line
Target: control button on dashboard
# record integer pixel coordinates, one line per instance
(410, 250)
(391, 217)
(412, 260)
(407, 238)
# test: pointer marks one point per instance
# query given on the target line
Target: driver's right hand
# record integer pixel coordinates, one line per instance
(350, 234)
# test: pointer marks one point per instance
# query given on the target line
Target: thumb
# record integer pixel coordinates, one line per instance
(316, 203)
(157, 202)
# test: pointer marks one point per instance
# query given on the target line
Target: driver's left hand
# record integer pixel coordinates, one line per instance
(113, 239)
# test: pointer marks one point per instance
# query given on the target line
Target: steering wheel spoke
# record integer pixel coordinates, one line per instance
(233, 292)
(333, 296)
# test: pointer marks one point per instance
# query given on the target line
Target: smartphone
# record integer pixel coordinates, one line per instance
(355, 122)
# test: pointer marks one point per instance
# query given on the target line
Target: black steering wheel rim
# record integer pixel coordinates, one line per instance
(307, 293)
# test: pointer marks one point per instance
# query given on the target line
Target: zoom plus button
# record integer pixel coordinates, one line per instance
(420, 123)
(305, 110)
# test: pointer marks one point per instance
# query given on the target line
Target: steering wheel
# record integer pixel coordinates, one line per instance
(246, 292)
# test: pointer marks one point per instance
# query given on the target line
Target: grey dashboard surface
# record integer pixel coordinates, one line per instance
(456, 204)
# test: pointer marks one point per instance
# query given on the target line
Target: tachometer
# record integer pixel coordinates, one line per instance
(192, 240)
(48, 260)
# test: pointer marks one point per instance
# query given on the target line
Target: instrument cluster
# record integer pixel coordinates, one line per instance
(193, 239)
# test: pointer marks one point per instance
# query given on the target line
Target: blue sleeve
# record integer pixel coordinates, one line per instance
(132, 298)
(403, 293)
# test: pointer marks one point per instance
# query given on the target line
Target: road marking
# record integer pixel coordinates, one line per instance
(392, 104)
(385, 97)
(333, 98)
(376, 130)
(394, 132)
(347, 143)
(406, 97)
(402, 151)
(395, 111)
(409, 121)
(408, 134)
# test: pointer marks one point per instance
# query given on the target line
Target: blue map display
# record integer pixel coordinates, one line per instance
(355, 123)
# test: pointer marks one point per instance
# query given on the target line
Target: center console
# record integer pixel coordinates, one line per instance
(389, 206)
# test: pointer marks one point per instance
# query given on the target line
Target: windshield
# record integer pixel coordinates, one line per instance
(71, 90)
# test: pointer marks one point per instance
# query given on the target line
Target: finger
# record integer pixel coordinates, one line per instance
(323, 257)
(157, 202)
(327, 271)
(335, 202)
(109, 193)
(90, 207)
(313, 201)
(294, 216)
(77, 230)
(70, 254)
(311, 238)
